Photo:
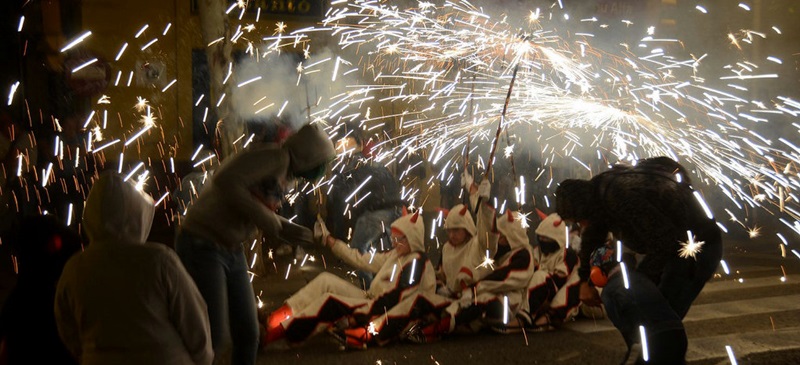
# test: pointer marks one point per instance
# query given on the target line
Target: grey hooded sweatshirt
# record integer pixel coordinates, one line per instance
(227, 211)
(125, 301)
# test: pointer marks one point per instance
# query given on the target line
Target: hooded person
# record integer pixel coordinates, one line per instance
(398, 274)
(498, 293)
(649, 208)
(228, 211)
(375, 189)
(123, 300)
(553, 289)
(466, 248)
(502, 286)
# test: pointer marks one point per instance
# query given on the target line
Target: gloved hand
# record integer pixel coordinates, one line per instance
(321, 232)
(466, 180)
(463, 278)
(445, 292)
(485, 189)
(466, 299)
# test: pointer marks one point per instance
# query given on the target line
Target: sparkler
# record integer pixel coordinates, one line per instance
(690, 248)
(589, 102)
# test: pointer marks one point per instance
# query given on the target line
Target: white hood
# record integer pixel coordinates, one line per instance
(459, 217)
(510, 225)
(117, 212)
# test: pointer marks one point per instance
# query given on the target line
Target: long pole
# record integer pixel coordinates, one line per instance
(499, 130)
(501, 122)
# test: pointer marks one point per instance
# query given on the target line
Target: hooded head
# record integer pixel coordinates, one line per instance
(117, 212)
(411, 226)
(573, 198)
(309, 150)
(510, 226)
(459, 217)
(554, 228)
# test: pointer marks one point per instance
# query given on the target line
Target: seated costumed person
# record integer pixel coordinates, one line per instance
(553, 289)
(398, 274)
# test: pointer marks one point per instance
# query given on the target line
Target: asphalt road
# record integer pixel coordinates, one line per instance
(751, 309)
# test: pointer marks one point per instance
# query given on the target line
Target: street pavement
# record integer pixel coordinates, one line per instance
(754, 309)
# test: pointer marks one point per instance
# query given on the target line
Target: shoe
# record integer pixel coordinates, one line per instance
(273, 329)
(351, 339)
(420, 333)
(506, 330)
(416, 335)
(543, 323)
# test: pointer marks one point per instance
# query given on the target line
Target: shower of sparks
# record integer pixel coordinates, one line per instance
(645, 349)
(77, 41)
(141, 104)
(731, 356)
(440, 75)
(12, 91)
(623, 268)
(487, 262)
(690, 248)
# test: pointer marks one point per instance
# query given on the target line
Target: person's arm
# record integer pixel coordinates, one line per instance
(487, 240)
(245, 171)
(514, 275)
(409, 278)
(295, 233)
(593, 237)
(368, 261)
(187, 309)
(66, 323)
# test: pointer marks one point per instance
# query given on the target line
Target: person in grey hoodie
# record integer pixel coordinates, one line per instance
(233, 204)
(123, 300)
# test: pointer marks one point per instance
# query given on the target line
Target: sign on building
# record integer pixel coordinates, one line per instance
(278, 8)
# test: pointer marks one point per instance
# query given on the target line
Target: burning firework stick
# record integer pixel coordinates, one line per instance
(499, 130)
(500, 123)
(469, 136)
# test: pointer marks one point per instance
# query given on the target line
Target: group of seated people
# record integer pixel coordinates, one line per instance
(489, 276)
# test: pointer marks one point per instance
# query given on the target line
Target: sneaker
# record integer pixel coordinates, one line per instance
(416, 335)
(506, 330)
(350, 339)
(539, 325)
(521, 322)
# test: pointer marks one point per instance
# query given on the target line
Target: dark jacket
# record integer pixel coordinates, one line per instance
(382, 187)
(645, 207)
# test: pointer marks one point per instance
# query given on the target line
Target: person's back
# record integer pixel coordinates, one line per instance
(124, 301)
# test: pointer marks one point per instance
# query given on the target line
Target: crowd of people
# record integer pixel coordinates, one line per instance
(116, 298)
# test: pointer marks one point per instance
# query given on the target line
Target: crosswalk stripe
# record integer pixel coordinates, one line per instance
(733, 284)
(743, 343)
(707, 312)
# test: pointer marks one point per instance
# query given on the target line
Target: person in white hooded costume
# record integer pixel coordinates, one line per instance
(468, 245)
(123, 300)
(553, 292)
(400, 273)
(233, 204)
(498, 292)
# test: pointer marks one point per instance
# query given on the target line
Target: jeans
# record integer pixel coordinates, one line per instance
(373, 229)
(222, 278)
(642, 304)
